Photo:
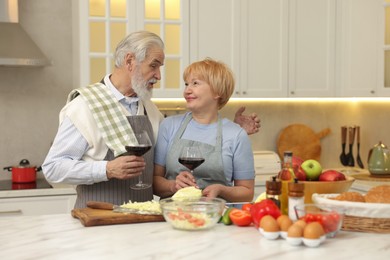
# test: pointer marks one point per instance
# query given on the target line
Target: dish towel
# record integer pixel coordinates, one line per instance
(109, 117)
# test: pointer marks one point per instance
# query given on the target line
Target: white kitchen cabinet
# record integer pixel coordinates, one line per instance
(263, 49)
(276, 48)
(40, 205)
(361, 40)
(311, 48)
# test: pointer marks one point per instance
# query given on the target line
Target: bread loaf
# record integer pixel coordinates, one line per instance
(350, 196)
(378, 194)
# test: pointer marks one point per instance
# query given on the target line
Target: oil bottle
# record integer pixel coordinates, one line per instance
(286, 175)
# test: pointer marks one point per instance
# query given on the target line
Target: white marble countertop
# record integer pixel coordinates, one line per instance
(63, 237)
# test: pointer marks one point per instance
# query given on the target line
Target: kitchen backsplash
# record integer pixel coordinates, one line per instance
(371, 116)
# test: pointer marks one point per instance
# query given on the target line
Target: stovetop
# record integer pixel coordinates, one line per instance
(9, 185)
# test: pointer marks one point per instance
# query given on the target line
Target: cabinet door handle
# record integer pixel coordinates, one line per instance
(244, 92)
(16, 211)
(372, 91)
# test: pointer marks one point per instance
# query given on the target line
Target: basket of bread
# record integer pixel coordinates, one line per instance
(368, 212)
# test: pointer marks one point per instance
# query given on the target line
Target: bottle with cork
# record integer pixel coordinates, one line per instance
(286, 175)
(273, 190)
(295, 197)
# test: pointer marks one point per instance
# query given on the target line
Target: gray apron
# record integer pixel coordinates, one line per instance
(118, 191)
(209, 172)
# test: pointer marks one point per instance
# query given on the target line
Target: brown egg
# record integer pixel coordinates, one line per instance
(301, 223)
(281, 218)
(313, 230)
(269, 224)
(285, 224)
(295, 231)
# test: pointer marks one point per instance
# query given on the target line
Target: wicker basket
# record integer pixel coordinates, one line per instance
(359, 216)
(363, 224)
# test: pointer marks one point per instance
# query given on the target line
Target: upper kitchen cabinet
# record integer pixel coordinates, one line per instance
(385, 50)
(361, 53)
(101, 24)
(276, 48)
(311, 48)
(263, 49)
(215, 32)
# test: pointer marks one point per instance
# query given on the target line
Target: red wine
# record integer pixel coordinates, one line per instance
(138, 150)
(191, 163)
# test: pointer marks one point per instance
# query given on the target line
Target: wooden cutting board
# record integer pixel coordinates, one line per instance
(98, 217)
(302, 141)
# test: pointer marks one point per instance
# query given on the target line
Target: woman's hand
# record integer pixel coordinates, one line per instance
(212, 191)
(125, 167)
(251, 123)
(185, 179)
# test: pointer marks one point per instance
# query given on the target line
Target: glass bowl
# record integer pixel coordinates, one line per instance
(330, 217)
(197, 214)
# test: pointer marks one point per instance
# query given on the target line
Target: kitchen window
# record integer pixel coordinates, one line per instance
(103, 23)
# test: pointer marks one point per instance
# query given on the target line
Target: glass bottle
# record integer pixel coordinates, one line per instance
(273, 190)
(295, 197)
(286, 175)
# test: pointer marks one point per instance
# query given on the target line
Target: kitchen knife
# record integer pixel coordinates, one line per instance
(119, 209)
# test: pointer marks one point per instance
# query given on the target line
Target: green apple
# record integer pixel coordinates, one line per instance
(312, 168)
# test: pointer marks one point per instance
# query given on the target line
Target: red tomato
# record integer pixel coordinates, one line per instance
(263, 208)
(240, 217)
(328, 222)
(247, 206)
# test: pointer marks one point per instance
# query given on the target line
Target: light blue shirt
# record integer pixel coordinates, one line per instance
(237, 154)
(63, 162)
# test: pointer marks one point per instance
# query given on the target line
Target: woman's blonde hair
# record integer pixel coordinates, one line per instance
(218, 75)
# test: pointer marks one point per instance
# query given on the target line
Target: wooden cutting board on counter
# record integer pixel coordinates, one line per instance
(99, 217)
(302, 141)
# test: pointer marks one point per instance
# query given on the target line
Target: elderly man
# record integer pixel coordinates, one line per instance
(98, 120)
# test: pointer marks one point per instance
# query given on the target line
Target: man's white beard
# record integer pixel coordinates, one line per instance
(140, 87)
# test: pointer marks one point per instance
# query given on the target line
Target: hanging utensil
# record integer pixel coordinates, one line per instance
(351, 137)
(358, 159)
(343, 155)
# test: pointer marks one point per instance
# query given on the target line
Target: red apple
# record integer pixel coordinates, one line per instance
(331, 175)
(300, 174)
(296, 162)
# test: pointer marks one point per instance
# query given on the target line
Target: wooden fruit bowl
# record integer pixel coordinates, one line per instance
(326, 187)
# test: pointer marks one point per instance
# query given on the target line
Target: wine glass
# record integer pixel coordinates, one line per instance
(144, 145)
(191, 157)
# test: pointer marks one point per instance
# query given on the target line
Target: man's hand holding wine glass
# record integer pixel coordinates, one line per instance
(125, 167)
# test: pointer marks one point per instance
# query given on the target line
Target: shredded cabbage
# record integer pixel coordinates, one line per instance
(187, 193)
(147, 206)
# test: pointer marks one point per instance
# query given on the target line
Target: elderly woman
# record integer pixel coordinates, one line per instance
(228, 170)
